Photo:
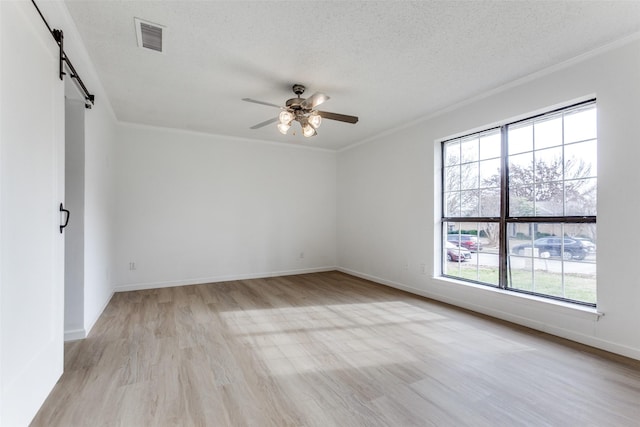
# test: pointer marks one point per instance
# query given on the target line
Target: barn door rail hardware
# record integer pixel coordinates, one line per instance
(58, 36)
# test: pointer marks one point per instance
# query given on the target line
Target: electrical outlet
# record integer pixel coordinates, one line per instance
(301, 255)
(132, 265)
(423, 268)
(405, 266)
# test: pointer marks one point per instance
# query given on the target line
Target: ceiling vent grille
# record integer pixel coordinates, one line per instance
(150, 35)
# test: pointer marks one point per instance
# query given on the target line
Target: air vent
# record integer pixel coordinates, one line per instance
(149, 35)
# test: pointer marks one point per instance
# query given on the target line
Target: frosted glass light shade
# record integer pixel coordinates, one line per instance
(308, 130)
(315, 119)
(286, 117)
(283, 128)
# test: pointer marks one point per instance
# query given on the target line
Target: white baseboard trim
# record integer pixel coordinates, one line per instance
(80, 334)
(509, 317)
(74, 335)
(215, 279)
(93, 321)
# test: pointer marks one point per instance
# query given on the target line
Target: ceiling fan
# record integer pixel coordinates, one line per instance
(303, 111)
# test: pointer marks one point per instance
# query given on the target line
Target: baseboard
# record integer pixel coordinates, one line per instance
(80, 334)
(589, 340)
(93, 321)
(74, 335)
(216, 279)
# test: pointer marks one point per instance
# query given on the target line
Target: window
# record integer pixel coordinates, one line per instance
(519, 205)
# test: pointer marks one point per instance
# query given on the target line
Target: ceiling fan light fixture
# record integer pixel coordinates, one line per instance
(302, 111)
(315, 119)
(308, 130)
(283, 128)
(286, 117)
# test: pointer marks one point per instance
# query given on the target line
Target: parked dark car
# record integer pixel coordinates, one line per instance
(566, 248)
(455, 253)
(467, 241)
(587, 243)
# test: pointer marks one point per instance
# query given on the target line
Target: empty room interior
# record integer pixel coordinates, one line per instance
(330, 213)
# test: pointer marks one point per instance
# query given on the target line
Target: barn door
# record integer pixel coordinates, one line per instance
(32, 187)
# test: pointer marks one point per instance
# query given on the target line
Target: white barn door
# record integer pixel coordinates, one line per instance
(31, 189)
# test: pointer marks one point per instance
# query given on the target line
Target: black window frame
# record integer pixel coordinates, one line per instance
(505, 219)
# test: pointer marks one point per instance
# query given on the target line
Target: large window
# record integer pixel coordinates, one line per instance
(519, 205)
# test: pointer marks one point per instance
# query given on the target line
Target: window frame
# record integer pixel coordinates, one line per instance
(505, 219)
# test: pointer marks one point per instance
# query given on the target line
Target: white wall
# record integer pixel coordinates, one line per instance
(99, 209)
(195, 208)
(74, 202)
(388, 200)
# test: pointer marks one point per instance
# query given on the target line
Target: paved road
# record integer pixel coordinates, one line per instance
(554, 265)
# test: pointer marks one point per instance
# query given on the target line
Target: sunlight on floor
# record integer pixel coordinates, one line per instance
(326, 337)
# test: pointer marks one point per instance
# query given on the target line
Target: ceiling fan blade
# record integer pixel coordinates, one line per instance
(338, 117)
(314, 100)
(263, 124)
(261, 102)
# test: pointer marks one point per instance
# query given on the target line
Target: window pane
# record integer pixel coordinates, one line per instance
(470, 149)
(521, 201)
(549, 198)
(452, 204)
(470, 251)
(521, 169)
(521, 190)
(490, 173)
(580, 125)
(520, 138)
(548, 165)
(586, 234)
(548, 132)
(490, 145)
(580, 196)
(469, 176)
(469, 203)
(580, 282)
(452, 178)
(490, 202)
(580, 160)
(550, 259)
(451, 153)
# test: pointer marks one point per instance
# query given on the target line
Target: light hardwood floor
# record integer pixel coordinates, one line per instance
(327, 349)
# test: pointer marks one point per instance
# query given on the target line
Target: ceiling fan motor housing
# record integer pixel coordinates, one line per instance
(298, 89)
(294, 103)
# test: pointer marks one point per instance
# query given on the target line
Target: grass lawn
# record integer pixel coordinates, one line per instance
(578, 287)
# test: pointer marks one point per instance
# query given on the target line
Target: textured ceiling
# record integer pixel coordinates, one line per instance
(388, 62)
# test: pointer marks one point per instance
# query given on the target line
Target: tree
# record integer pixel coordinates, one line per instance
(544, 187)
(548, 188)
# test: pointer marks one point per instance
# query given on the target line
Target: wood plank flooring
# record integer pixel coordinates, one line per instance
(327, 349)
